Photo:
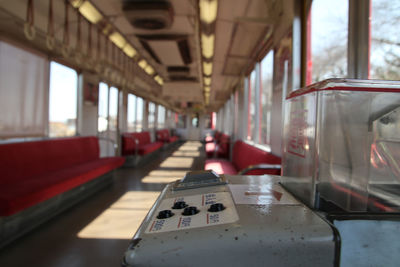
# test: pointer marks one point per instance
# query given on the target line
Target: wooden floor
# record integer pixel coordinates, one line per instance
(97, 231)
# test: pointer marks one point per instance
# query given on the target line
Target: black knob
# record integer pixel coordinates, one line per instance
(164, 214)
(190, 211)
(179, 205)
(216, 207)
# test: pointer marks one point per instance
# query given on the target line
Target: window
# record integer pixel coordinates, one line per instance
(213, 120)
(131, 112)
(195, 120)
(385, 40)
(23, 101)
(62, 100)
(181, 123)
(151, 115)
(329, 32)
(266, 97)
(161, 117)
(113, 111)
(252, 106)
(208, 121)
(108, 108)
(139, 114)
(103, 108)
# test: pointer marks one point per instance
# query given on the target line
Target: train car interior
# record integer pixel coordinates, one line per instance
(199, 133)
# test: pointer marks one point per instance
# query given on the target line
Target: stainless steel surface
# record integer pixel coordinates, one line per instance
(276, 230)
(340, 144)
(369, 242)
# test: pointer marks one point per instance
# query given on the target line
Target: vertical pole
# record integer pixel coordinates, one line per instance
(358, 39)
(256, 134)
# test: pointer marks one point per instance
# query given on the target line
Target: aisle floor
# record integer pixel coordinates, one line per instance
(97, 231)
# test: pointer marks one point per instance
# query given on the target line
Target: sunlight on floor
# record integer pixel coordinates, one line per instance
(186, 154)
(183, 158)
(177, 162)
(162, 176)
(121, 219)
(190, 146)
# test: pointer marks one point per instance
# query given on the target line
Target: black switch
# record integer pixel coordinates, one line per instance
(190, 211)
(179, 205)
(216, 207)
(165, 214)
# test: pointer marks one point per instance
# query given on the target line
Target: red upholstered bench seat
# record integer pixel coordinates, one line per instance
(164, 136)
(211, 138)
(219, 148)
(220, 166)
(144, 145)
(33, 172)
(244, 155)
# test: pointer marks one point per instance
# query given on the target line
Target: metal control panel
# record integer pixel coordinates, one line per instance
(250, 220)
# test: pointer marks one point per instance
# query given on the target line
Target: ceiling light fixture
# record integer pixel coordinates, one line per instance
(207, 68)
(117, 39)
(208, 10)
(207, 42)
(129, 50)
(90, 12)
(149, 70)
(143, 64)
(159, 80)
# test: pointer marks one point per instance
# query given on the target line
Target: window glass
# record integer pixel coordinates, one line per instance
(181, 123)
(266, 97)
(195, 120)
(329, 31)
(385, 40)
(139, 114)
(63, 100)
(207, 120)
(236, 113)
(151, 115)
(161, 117)
(103, 107)
(252, 105)
(214, 120)
(23, 101)
(131, 112)
(113, 111)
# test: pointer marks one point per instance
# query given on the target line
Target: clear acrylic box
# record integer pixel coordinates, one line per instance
(341, 145)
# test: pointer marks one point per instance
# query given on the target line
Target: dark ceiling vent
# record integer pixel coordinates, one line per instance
(149, 14)
(178, 70)
(179, 78)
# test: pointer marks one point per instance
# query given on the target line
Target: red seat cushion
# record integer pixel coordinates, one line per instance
(209, 139)
(220, 166)
(173, 139)
(149, 148)
(210, 148)
(31, 190)
(26, 159)
(245, 155)
(128, 142)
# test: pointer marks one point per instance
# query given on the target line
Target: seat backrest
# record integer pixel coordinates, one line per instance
(224, 143)
(143, 138)
(162, 135)
(245, 155)
(20, 161)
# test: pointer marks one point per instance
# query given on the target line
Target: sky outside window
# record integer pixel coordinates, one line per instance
(62, 100)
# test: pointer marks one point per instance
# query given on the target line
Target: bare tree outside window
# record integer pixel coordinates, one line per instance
(329, 32)
(385, 40)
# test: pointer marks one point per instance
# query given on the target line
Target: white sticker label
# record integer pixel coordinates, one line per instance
(270, 194)
(201, 219)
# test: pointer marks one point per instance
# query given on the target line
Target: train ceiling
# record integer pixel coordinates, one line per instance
(186, 57)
